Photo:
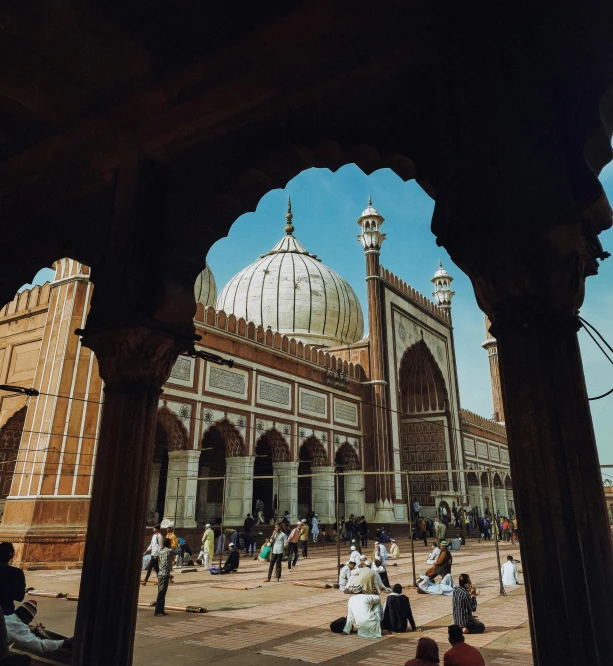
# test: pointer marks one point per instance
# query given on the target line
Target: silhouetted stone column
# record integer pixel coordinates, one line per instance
(134, 363)
(531, 287)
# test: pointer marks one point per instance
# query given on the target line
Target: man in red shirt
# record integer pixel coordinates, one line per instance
(461, 653)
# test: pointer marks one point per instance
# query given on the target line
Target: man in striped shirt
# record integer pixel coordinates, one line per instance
(165, 565)
(464, 604)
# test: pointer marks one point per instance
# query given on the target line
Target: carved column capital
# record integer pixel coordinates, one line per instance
(520, 277)
(135, 355)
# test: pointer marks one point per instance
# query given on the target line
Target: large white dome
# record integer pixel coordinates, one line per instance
(291, 291)
(205, 289)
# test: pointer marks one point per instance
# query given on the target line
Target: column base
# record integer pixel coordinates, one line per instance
(46, 533)
(384, 512)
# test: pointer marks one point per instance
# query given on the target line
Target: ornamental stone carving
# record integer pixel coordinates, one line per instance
(136, 354)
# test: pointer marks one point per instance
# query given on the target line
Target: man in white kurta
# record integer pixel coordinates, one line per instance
(445, 587)
(208, 541)
(364, 614)
(355, 556)
(509, 572)
(433, 557)
(315, 528)
(344, 575)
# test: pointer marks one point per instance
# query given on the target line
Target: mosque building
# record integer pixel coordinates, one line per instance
(291, 392)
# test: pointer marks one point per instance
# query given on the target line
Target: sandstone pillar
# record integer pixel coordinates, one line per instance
(322, 490)
(154, 486)
(552, 448)
(287, 483)
(239, 489)
(202, 515)
(354, 494)
(181, 487)
(134, 364)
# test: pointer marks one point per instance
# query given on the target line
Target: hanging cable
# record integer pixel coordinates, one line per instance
(586, 327)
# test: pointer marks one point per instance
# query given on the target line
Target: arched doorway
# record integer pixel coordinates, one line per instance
(425, 441)
(10, 437)
(159, 476)
(312, 454)
(212, 464)
(270, 449)
(350, 486)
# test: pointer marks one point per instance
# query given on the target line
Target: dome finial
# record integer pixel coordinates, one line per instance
(440, 263)
(289, 227)
(369, 201)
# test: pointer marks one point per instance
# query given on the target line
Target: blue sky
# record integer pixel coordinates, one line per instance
(326, 206)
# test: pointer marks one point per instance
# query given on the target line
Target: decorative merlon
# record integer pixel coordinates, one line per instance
(27, 300)
(315, 354)
(414, 296)
(470, 418)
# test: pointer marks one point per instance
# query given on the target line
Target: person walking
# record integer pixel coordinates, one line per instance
(278, 542)
(165, 569)
(461, 653)
(208, 544)
(304, 538)
(315, 528)
(364, 532)
(424, 531)
(154, 549)
(464, 603)
(248, 535)
(292, 548)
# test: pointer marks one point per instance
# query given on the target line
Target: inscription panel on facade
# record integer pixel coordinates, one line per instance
(274, 393)
(232, 383)
(494, 453)
(422, 447)
(504, 455)
(469, 446)
(313, 402)
(346, 412)
(182, 372)
(481, 450)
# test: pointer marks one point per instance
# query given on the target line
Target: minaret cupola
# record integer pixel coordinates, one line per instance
(371, 236)
(442, 287)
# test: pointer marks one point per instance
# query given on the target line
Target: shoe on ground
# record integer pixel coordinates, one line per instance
(159, 614)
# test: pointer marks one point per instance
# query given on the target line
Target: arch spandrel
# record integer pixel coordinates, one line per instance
(178, 438)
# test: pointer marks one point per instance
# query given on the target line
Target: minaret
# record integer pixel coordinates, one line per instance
(442, 288)
(371, 238)
(443, 295)
(491, 346)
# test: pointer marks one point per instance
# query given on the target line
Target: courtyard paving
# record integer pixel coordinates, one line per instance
(271, 623)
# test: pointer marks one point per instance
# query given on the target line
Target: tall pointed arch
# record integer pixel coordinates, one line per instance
(279, 449)
(10, 437)
(313, 451)
(233, 440)
(421, 383)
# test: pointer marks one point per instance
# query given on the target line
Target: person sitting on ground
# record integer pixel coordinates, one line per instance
(364, 577)
(355, 555)
(426, 653)
(265, 551)
(345, 575)
(12, 580)
(461, 653)
(381, 574)
(174, 544)
(7, 659)
(232, 561)
(509, 572)
(394, 551)
(384, 537)
(22, 637)
(464, 605)
(364, 614)
(380, 552)
(443, 564)
(427, 586)
(397, 614)
(433, 557)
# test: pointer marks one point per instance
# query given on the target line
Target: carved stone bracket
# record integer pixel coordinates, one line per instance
(135, 355)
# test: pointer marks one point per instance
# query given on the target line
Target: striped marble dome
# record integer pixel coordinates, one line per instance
(291, 291)
(205, 289)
